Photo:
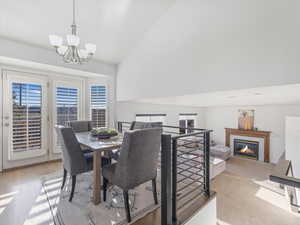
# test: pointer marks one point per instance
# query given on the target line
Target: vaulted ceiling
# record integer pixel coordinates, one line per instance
(283, 94)
(115, 26)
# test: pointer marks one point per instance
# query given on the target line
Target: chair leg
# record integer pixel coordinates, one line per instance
(64, 179)
(73, 187)
(105, 183)
(154, 191)
(126, 203)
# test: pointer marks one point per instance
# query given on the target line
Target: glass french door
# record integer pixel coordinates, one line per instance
(25, 124)
(67, 105)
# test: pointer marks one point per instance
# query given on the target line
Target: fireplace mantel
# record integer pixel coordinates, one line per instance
(251, 133)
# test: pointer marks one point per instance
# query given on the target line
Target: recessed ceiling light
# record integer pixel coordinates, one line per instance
(257, 93)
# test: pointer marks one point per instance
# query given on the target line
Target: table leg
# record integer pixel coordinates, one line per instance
(97, 177)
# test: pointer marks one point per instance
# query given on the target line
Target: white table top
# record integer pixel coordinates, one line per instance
(86, 139)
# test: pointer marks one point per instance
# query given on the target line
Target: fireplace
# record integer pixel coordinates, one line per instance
(249, 149)
(263, 137)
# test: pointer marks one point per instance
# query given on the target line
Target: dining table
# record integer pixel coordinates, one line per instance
(98, 147)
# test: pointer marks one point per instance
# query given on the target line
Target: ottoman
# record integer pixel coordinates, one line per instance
(217, 166)
(220, 151)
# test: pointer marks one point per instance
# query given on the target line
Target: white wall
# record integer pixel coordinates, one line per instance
(19, 50)
(292, 132)
(268, 117)
(214, 45)
(126, 111)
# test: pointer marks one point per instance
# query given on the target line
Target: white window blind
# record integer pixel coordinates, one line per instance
(66, 104)
(27, 117)
(98, 105)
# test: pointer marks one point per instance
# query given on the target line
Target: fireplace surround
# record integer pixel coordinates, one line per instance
(246, 148)
(264, 135)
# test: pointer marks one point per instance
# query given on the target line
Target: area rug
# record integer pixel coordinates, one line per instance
(81, 211)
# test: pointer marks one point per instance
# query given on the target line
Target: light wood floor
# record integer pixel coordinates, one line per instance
(245, 196)
(242, 199)
(19, 191)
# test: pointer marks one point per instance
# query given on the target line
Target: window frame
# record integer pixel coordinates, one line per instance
(187, 117)
(90, 84)
(32, 79)
(76, 83)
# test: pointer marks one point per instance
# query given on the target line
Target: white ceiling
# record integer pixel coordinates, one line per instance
(115, 26)
(284, 94)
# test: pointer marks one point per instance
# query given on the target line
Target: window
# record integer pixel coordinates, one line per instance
(66, 104)
(24, 118)
(187, 120)
(27, 117)
(150, 117)
(98, 105)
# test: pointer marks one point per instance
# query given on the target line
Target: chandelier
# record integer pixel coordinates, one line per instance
(71, 52)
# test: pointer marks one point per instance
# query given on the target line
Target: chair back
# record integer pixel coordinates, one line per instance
(73, 159)
(143, 125)
(80, 125)
(138, 158)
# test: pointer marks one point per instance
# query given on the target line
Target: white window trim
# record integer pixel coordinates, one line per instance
(98, 82)
(79, 84)
(8, 80)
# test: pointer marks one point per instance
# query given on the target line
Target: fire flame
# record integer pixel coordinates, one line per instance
(247, 150)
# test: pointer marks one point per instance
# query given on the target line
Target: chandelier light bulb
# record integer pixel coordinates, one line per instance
(55, 40)
(91, 48)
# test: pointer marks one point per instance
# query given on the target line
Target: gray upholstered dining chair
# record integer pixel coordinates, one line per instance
(81, 125)
(74, 160)
(85, 126)
(135, 125)
(137, 163)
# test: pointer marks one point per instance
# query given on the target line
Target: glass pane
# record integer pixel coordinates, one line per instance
(66, 105)
(98, 96)
(190, 124)
(98, 117)
(98, 105)
(27, 116)
(182, 124)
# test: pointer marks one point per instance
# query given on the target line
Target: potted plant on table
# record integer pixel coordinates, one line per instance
(104, 133)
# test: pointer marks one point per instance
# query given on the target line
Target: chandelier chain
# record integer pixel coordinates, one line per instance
(74, 12)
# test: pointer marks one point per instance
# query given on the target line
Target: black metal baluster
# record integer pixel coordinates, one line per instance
(174, 181)
(207, 163)
(166, 188)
